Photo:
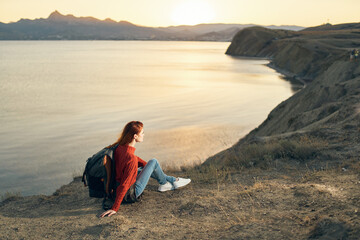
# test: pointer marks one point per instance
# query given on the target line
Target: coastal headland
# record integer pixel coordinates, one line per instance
(327, 109)
(296, 176)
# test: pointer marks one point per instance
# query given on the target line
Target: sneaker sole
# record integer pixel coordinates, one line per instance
(183, 185)
(165, 190)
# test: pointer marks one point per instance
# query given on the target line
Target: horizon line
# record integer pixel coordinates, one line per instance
(140, 25)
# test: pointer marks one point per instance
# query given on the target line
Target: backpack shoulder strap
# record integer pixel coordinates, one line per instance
(111, 151)
(84, 178)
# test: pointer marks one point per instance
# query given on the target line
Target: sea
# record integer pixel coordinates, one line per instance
(62, 101)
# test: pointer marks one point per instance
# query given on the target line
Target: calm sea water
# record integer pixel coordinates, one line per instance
(61, 101)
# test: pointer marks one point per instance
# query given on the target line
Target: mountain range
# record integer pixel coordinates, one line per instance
(69, 27)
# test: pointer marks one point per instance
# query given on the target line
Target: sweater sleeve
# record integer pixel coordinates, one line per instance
(130, 172)
(141, 162)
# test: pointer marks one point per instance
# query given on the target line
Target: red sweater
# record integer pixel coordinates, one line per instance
(126, 167)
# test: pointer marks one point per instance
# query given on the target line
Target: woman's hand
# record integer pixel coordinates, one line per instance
(107, 213)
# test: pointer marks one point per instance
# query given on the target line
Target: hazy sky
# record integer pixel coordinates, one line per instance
(177, 12)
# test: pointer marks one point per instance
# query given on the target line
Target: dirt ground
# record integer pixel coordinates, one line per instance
(251, 204)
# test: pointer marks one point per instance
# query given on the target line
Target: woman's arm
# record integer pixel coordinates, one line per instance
(141, 162)
(130, 172)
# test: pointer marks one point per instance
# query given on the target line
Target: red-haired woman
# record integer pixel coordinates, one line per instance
(128, 181)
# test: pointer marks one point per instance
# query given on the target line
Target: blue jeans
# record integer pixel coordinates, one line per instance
(151, 169)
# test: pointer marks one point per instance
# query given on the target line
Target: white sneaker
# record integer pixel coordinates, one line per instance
(165, 187)
(181, 182)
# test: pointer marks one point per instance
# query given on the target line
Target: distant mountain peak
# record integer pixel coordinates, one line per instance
(58, 17)
(126, 23)
(109, 20)
(55, 14)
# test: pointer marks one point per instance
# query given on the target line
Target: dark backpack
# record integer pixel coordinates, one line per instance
(99, 174)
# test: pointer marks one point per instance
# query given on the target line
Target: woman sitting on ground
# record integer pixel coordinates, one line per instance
(130, 179)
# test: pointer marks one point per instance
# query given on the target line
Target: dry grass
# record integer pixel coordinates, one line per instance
(220, 203)
(9, 196)
(208, 174)
(267, 154)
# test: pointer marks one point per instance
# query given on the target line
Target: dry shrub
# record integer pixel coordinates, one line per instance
(9, 196)
(209, 174)
(264, 154)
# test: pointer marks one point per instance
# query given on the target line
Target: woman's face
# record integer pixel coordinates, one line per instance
(139, 137)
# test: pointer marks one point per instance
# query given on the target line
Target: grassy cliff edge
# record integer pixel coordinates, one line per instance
(326, 112)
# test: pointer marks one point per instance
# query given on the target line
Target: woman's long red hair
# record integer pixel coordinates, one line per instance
(127, 135)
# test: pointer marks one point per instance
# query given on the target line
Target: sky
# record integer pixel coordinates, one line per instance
(157, 13)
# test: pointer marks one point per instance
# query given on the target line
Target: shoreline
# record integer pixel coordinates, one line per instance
(288, 76)
(291, 77)
(327, 100)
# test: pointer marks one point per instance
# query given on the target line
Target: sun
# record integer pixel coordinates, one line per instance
(192, 13)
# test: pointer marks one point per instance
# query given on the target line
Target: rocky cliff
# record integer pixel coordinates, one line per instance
(327, 109)
(301, 54)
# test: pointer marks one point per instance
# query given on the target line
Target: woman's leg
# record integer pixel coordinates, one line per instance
(151, 169)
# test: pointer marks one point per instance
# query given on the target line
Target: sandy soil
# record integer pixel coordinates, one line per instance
(251, 204)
